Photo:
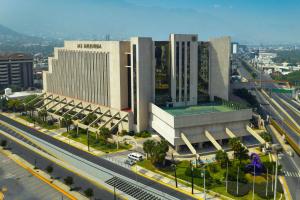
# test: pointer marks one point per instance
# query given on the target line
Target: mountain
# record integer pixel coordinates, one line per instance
(12, 41)
(9, 35)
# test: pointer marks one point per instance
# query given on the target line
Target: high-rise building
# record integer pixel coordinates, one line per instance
(174, 87)
(16, 70)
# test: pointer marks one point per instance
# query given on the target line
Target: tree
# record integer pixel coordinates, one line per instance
(159, 152)
(69, 181)
(30, 108)
(43, 114)
(222, 158)
(89, 192)
(148, 146)
(105, 133)
(3, 103)
(14, 105)
(240, 151)
(49, 169)
(67, 122)
(90, 118)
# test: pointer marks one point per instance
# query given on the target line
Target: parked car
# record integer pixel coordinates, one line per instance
(129, 162)
(135, 156)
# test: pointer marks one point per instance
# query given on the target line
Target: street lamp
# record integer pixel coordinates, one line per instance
(253, 187)
(174, 167)
(192, 171)
(227, 177)
(237, 181)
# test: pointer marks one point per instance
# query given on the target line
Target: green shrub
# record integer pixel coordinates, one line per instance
(197, 172)
(244, 189)
(213, 168)
(144, 134)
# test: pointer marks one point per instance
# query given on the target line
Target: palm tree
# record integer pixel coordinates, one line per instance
(43, 114)
(148, 146)
(240, 151)
(67, 122)
(105, 133)
(29, 108)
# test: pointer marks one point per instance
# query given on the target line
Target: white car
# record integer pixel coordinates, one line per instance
(135, 156)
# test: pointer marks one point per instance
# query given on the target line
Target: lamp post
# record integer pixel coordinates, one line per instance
(237, 181)
(204, 184)
(276, 171)
(227, 177)
(253, 187)
(88, 139)
(267, 182)
(174, 167)
(192, 171)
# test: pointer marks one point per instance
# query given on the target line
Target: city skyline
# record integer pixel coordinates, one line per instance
(251, 22)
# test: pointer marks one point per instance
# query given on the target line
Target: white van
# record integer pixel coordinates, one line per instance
(135, 156)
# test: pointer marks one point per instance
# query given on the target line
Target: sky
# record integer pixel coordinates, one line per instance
(246, 21)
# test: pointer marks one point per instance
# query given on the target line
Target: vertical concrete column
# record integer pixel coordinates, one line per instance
(141, 71)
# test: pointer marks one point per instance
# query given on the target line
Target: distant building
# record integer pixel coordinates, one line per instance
(16, 70)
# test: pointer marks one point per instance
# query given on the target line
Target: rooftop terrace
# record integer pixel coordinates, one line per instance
(202, 109)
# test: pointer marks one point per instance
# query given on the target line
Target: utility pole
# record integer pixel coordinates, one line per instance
(276, 171)
(175, 175)
(253, 187)
(237, 181)
(272, 178)
(267, 182)
(192, 171)
(204, 185)
(227, 177)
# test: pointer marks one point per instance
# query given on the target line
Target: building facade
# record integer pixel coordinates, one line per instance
(16, 70)
(144, 78)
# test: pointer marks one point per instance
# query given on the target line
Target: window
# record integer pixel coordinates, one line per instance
(134, 84)
(188, 70)
(182, 70)
(177, 71)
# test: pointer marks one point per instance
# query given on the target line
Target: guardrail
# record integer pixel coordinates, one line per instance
(293, 144)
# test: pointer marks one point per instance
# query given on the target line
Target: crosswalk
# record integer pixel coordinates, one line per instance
(291, 174)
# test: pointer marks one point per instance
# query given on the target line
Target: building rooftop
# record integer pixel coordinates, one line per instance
(199, 109)
(15, 56)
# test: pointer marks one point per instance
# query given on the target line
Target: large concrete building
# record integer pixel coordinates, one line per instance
(173, 87)
(16, 70)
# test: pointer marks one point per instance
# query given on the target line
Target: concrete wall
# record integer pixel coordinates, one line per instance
(193, 126)
(219, 67)
(184, 99)
(91, 71)
(144, 66)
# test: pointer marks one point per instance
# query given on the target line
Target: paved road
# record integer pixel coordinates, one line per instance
(290, 165)
(98, 161)
(23, 185)
(58, 172)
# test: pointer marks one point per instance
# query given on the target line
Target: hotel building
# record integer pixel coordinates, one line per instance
(16, 70)
(178, 88)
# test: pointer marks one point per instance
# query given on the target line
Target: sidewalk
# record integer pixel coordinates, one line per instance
(170, 182)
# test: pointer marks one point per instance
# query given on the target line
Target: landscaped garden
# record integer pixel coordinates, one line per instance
(97, 142)
(242, 171)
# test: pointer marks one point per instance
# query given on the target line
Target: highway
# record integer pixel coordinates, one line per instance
(289, 164)
(99, 167)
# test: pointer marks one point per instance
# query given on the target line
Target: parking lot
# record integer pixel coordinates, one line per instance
(20, 184)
